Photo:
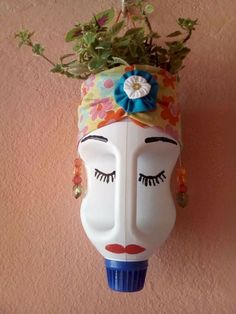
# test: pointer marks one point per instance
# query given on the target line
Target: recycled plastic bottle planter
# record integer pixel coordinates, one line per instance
(129, 141)
(129, 133)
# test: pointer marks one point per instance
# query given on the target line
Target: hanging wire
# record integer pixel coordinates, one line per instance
(118, 16)
(125, 11)
(124, 4)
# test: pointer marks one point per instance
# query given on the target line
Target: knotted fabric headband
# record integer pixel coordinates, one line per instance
(144, 94)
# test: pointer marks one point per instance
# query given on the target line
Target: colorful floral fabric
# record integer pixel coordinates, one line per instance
(171, 111)
(100, 107)
(104, 100)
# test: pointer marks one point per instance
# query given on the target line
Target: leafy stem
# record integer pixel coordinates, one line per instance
(187, 25)
(24, 37)
(104, 42)
(36, 49)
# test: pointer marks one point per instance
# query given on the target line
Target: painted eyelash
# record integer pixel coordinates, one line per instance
(152, 180)
(105, 177)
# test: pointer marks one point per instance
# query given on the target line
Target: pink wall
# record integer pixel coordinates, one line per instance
(44, 253)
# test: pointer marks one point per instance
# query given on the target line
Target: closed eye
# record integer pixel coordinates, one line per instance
(105, 177)
(152, 180)
(146, 180)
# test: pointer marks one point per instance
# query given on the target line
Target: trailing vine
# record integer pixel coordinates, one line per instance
(109, 40)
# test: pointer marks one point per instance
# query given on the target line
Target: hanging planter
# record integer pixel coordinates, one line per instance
(129, 134)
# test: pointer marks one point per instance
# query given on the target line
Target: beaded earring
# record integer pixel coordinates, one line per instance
(77, 179)
(181, 195)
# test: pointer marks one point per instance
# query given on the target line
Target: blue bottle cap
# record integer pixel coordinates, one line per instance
(126, 276)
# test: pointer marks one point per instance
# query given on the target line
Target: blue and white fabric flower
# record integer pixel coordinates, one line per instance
(136, 91)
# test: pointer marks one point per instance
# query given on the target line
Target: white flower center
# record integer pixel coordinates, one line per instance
(136, 87)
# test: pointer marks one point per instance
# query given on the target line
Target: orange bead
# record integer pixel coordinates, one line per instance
(77, 180)
(181, 180)
(77, 171)
(183, 188)
(181, 171)
(78, 162)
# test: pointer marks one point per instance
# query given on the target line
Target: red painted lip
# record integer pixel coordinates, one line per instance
(119, 249)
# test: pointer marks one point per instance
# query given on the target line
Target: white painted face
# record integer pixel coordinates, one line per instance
(128, 210)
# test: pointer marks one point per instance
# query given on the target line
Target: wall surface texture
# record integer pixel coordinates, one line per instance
(45, 257)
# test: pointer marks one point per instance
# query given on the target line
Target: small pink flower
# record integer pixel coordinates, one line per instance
(87, 85)
(108, 83)
(100, 107)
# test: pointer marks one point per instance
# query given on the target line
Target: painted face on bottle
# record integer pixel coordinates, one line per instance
(128, 210)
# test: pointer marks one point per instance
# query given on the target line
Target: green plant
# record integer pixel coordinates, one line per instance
(107, 41)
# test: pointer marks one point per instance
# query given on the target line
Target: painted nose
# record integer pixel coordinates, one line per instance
(126, 199)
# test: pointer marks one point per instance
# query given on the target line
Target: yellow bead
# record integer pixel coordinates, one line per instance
(182, 199)
(136, 86)
(77, 189)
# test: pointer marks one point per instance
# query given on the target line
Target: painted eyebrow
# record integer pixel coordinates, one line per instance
(158, 139)
(95, 137)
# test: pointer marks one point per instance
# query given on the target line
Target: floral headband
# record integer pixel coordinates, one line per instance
(145, 94)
